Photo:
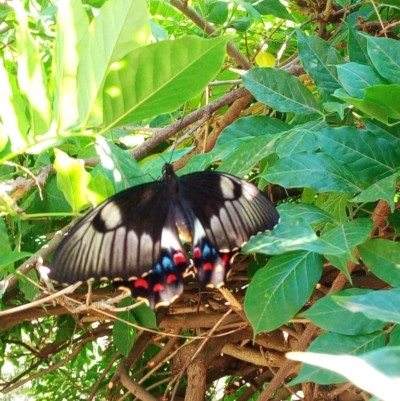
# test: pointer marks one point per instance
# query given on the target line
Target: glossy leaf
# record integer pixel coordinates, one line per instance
(356, 77)
(348, 236)
(376, 372)
(382, 305)
(124, 335)
(281, 90)
(120, 27)
(372, 156)
(281, 288)
(72, 179)
(313, 170)
(345, 322)
(385, 56)
(382, 258)
(337, 344)
(149, 81)
(319, 60)
(383, 189)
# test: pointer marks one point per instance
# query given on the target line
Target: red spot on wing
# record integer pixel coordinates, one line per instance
(171, 278)
(179, 258)
(141, 283)
(225, 258)
(158, 288)
(208, 266)
(196, 252)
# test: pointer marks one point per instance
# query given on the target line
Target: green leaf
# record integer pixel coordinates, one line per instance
(337, 344)
(31, 75)
(281, 90)
(272, 7)
(247, 155)
(313, 170)
(348, 236)
(371, 108)
(119, 166)
(312, 214)
(382, 258)
(159, 78)
(301, 138)
(12, 111)
(72, 26)
(382, 305)
(72, 179)
(372, 156)
(357, 46)
(383, 189)
(319, 60)
(345, 322)
(120, 27)
(383, 96)
(124, 335)
(7, 258)
(291, 234)
(247, 128)
(385, 56)
(29, 290)
(376, 372)
(357, 77)
(281, 288)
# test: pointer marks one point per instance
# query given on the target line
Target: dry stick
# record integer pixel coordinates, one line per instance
(135, 388)
(228, 118)
(379, 216)
(210, 30)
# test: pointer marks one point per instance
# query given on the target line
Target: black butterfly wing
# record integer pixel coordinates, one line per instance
(228, 211)
(131, 239)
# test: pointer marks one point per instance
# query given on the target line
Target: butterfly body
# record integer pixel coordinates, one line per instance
(135, 237)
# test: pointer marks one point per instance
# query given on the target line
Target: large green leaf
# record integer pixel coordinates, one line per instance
(337, 344)
(278, 291)
(293, 233)
(123, 333)
(348, 236)
(357, 46)
(382, 305)
(281, 90)
(159, 78)
(370, 107)
(71, 38)
(376, 372)
(72, 179)
(371, 156)
(383, 96)
(313, 170)
(356, 77)
(382, 258)
(32, 78)
(383, 189)
(385, 55)
(320, 60)
(13, 111)
(120, 27)
(345, 322)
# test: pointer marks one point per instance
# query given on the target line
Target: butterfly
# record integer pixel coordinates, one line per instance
(137, 237)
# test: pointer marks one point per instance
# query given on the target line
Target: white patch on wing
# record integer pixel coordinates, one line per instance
(132, 249)
(118, 251)
(146, 250)
(169, 239)
(227, 188)
(111, 215)
(199, 232)
(249, 191)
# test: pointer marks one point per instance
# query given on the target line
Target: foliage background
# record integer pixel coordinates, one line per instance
(302, 97)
